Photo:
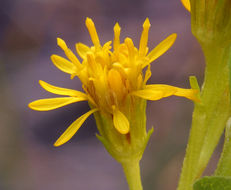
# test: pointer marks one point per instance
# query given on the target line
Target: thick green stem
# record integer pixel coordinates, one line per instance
(132, 173)
(224, 165)
(209, 116)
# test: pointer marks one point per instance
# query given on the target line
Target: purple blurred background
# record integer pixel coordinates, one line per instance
(28, 32)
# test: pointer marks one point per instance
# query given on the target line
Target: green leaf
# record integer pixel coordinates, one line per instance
(213, 183)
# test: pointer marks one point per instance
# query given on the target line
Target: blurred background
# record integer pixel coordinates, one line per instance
(28, 32)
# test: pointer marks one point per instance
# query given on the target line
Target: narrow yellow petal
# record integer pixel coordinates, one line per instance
(116, 41)
(144, 38)
(82, 50)
(149, 94)
(73, 128)
(92, 31)
(191, 94)
(70, 55)
(63, 64)
(186, 4)
(53, 103)
(120, 121)
(161, 48)
(61, 91)
(168, 90)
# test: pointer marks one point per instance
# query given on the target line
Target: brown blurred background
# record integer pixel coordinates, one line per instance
(28, 32)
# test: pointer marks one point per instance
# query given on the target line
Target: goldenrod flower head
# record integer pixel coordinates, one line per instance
(112, 79)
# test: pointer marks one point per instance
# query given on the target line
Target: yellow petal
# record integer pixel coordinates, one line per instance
(63, 64)
(168, 90)
(188, 93)
(53, 103)
(120, 121)
(61, 91)
(70, 55)
(82, 50)
(149, 94)
(186, 4)
(73, 128)
(161, 48)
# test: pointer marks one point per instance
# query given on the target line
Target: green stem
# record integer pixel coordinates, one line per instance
(132, 173)
(209, 116)
(224, 164)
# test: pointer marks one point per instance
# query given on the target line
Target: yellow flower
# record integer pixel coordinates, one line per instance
(109, 78)
(186, 4)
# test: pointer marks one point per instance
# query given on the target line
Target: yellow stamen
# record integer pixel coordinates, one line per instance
(116, 41)
(144, 38)
(92, 31)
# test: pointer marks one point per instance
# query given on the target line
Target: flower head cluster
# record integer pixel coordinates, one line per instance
(109, 78)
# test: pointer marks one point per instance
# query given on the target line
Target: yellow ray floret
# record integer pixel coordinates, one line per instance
(161, 48)
(53, 103)
(186, 4)
(62, 91)
(73, 128)
(158, 91)
(112, 79)
(70, 55)
(82, 50)
(63, 64)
